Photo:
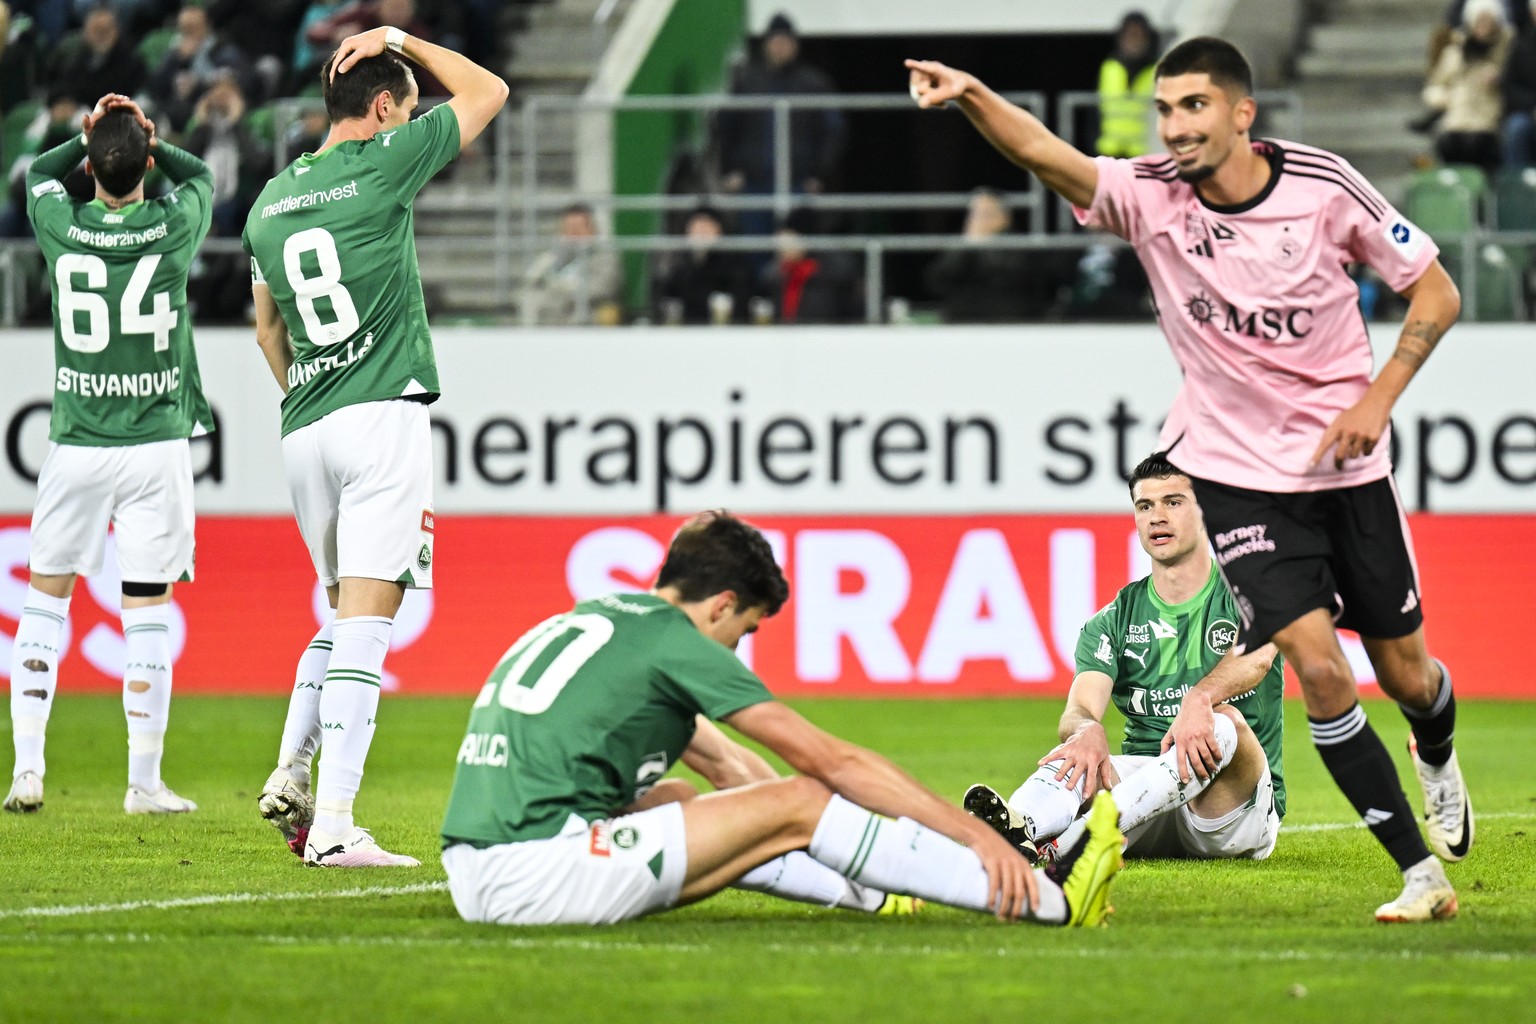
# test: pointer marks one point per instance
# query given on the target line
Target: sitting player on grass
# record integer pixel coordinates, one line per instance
(551, 819)
(1199, 774)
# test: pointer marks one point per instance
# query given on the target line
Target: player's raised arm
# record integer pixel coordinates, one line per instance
(1015, 132)
(477, 94)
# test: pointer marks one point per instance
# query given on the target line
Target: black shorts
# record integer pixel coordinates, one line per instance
(1285, 554)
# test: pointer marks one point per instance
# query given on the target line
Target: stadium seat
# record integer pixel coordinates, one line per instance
(1499, 288)
(13, 131)
(1515, 193)
(1446, 200)
(155, 45)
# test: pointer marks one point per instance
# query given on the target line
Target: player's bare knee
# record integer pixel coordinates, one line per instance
(805, 799)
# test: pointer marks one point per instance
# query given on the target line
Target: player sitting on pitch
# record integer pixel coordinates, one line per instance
(549, 822)
(1199, 774)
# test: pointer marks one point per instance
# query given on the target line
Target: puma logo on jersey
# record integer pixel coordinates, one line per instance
(386, 136)
(1141, 659)
(301, 170)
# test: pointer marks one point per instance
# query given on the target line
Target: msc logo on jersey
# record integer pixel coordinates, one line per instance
(1270, 322)
(1406, 239)
(1220, 635)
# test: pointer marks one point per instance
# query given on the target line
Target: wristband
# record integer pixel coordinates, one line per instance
(394, 39)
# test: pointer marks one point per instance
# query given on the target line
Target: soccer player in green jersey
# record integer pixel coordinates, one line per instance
(1199, 773)
(127, 395)
(341, 320)
(555, 816)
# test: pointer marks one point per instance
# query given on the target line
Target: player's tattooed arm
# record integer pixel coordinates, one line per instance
(1417, 341)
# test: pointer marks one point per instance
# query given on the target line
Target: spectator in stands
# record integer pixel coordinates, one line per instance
(368, 15)
(1465, 86)
(54, 124)
(982, 284)
(195, 60)
(691, 279)
(816, 137)
(219, 288)
(241, 163)
(265, 31)
(576, 281)
(133, 16)
(1126, 81)
(105, 62)
(1519, 94)
(807, 287)
(307, 55)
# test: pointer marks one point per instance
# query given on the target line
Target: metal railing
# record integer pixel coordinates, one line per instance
(521, 197)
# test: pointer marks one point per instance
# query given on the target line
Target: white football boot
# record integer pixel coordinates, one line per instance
(26, 794)
(161, 801)
(356, 849)
(1447, 807)
(287, 803)
(1427, 896)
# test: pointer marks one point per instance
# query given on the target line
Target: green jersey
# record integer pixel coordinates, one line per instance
(584, 714)
(122, 340)
(1156, 652)
(332, 237)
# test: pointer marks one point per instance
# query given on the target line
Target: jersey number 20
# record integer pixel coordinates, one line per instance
(159, 321)
(579, 637)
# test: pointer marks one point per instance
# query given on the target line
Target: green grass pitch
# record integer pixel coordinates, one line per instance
(207, 917)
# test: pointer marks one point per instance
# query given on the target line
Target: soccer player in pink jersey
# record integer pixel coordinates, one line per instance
(1279, 423)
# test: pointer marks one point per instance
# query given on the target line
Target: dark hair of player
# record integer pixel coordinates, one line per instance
(715, 552)
(1154, 467)
(351, 94)
(118, 149)
(1207, 55)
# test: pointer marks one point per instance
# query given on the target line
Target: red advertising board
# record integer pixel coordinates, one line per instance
(881, 606)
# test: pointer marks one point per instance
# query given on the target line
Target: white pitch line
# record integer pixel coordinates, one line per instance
(1029, 951)
(361, 892)
(223, 898)
(1339, 826)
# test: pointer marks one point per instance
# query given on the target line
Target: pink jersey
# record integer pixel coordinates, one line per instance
(1255, 301)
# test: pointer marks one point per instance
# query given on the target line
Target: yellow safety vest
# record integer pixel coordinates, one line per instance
(1124, 109)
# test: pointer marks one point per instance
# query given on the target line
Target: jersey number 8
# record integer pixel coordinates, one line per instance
(579, 637)
(159, 321)
(326, 284)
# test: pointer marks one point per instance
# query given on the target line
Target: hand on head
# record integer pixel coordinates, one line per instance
(116, 101)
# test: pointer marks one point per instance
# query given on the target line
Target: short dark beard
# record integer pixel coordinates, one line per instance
(1196, 175)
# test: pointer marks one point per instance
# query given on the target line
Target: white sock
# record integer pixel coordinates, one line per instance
(147, 691)
(301, 730)
(796, 876)
(1155, 788)
(902, 856)
(348, 704)
(35, 675)
(1047, 806)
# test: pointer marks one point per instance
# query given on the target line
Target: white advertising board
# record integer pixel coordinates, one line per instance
(810, 421)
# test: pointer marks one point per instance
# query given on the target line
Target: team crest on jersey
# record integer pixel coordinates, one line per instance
(1220, 635)
(626, 837)
(1288, 252)
(424, 558)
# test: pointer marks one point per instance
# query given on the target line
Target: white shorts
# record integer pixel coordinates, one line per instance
(603, 873)
(360, 479)
(1247, 832)
(143, 490)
